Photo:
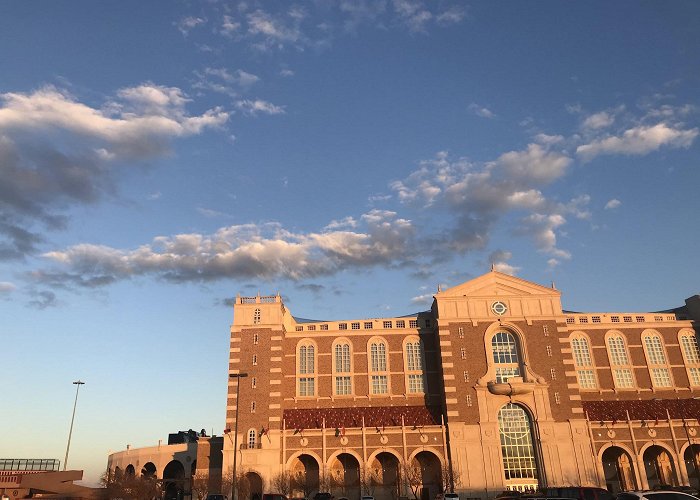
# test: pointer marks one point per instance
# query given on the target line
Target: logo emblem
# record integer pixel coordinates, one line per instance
(499, 308)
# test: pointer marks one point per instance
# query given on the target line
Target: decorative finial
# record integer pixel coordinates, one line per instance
(493, 266)
(553, 286)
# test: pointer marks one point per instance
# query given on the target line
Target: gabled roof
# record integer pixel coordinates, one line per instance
(497, 284)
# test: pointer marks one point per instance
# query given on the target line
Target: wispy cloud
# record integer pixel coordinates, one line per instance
(639, 140)
(187, 24)
(56, 151)
(481, 111)
(223, 81)
(259, 106)
(613, 204)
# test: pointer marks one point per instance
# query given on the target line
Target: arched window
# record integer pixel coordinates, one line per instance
(620, 361)
(252, 438)
(379, 374)
(306, 370)
(505, 356)
(342, 369)
(256, 316)
(691, 355)
(656, 360)
(585, 370)
(517, 450)
(413, 356)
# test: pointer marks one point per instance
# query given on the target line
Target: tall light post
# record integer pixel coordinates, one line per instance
(238, 377)
(77, 383)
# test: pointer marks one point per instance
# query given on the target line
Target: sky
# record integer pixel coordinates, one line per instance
(158, 158)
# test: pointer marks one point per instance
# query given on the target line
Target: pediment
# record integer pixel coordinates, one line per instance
(495, 284)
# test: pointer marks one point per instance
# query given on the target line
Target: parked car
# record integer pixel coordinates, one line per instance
(655, 495)
(578, 493)
(216, 496)
(451, 496)
(273, 496)
(323, 496)
(367, 497)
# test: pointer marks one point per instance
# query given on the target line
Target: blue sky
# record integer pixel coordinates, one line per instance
(157, 158)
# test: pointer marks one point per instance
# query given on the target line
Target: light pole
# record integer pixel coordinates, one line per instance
(238, 377)
(77, 383)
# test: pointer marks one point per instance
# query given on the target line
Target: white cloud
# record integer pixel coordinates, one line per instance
(286, 72)
(6, 288)
(481, 111)
(243, 251)
(423, 300)
(256, 106)
(613, 204)
(187, 24)
(229, 26)
(639, 140)
(224, 82)
(56, 151)
(452, 15)
(499, 260)
(599, 120)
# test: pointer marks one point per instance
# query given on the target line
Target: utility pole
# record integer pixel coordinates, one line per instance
(77, 383)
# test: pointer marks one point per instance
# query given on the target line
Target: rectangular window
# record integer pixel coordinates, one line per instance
(299, 328)
(378, 357)
(545, 330)
(324, 327)
(387, 324)
(549, 351)
(586, 379)
(557, 398)
(627, 319)
(311, 328)
(463, 353)
(553, 373)
(596, 319)
(583, 319)
(469, 400)
(623, 378)
(615, 319)
(640, 319)
(505, 374)
(368, 325)
(415, 384)
(306, 386)
(466, 376)
(413, 323)
(342, 326)
(343, 386)
(400, 323)
(661, 377)
(694, 376)
(380, 384)
(460, 331)
(355, 326)
(658, 318)
(569, 320)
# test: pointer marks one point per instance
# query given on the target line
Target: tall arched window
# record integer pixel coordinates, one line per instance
(342, 369)
(691, 355)
(413, 356)
(256, 316)
(656, 360)
(620, 361)
(252, 438)
(306, 370)
(585, 370)
(379, 374)
(505, 356)
(517, 450)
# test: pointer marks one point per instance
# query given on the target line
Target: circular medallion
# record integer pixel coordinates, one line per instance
(343, 440)
(424, 439)
(303, 441)
(652, 433)
(499, 308)
(611, 434)
(384, 440)
(692, 431)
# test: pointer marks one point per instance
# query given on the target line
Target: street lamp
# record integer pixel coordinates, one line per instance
(77, 383)
(237, 376)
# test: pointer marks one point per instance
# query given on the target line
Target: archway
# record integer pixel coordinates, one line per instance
(691, 457)
(383, 477)
(173, 480)
(149, 470)
(130, 471)
(659, 467)
(305, 475)
(520, 464)
(345, 476)
(430, 475)
(255, 485)
(617, 467)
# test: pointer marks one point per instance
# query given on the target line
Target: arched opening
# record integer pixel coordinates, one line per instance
(130, 471)
(118, 473)
(691, 457)
(430, 475)
(255, 485)
(149, 470)
(345, 476)
(659, 467)
(305, 475)
(383, 478)
(617, 467)
(520, 468)
(173, 480)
